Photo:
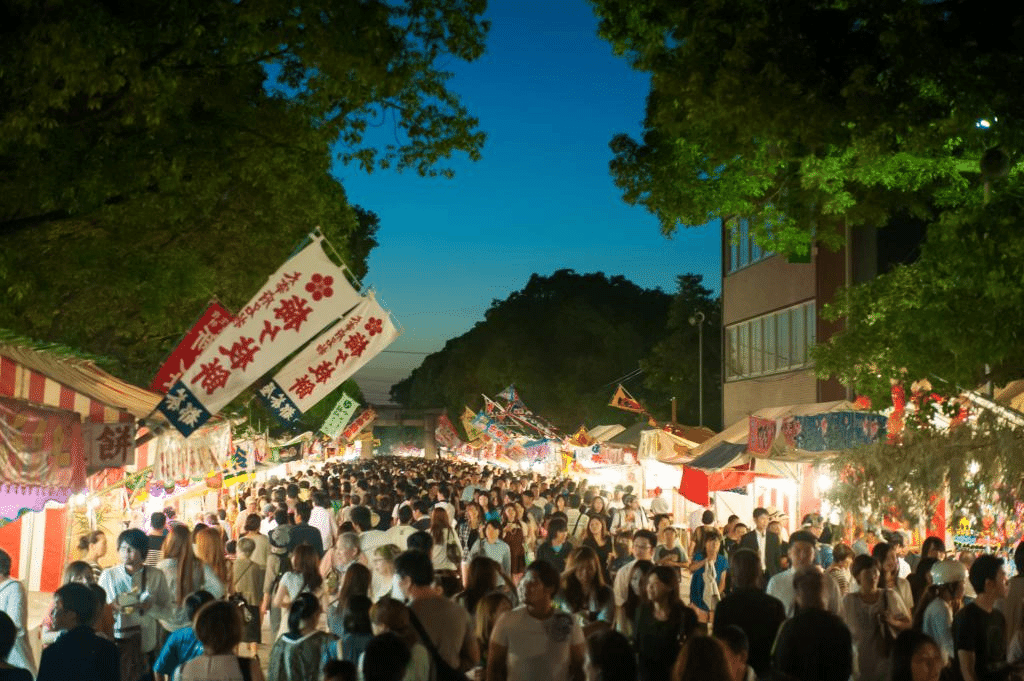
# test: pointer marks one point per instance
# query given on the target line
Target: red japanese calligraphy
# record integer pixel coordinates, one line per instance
(303, 387)
(342, 356)
(322, 372)
(320, 286)
(269, 330)
(293, 312)
(374, 326)
(356, 343)
(241, 353)
(212, 376)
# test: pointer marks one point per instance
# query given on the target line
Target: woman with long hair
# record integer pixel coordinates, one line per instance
(663, 624)
(299, 651)
(702, 659)
(356, 630)
(184, 573)
(484, 576)
(584, 593)
(383, 582)
(598, 507)
(530, 531)
(492, 546)
(888, 563)
(446, 554)
(597, 537)
(304, 577)
(940, 603)
(514, 534)
(93, 547)
(356, 582)
(210, 550)
(626, 616)
(709, 567)
(471, 526)
(870, 614)
(916, 657)
(390, 615)
(485, 616)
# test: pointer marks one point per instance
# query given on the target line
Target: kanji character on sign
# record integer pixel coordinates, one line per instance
(175, 401)
(322, 372)
(288, 412)
(356, 343)
(241, 352)
(203, 339)
(113, 444)
(303, 387)
(342, 356)
(190, 414)
(212, 376)
(374, 326)
(269, 330)
(293, 312)
(267, 390)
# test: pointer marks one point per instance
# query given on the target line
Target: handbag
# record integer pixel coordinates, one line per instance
(442, 670)
(237, 599)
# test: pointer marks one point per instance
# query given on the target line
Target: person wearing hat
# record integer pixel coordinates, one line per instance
(801, 556)
(631, 517)
(940, 602)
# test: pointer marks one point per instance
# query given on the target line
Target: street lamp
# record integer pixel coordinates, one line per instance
(697, 319)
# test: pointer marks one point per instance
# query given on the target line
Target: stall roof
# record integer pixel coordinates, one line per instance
(630, 437)
(78, 375)
(603, 433)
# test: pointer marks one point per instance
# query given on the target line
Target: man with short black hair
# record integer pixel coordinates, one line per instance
(304, 533)
(737, 650)
(748, 607)
(642, 548)
(979, 629)
(398, 534)
(448, 624)
(815, 645)
(801, 556)
(14, 602)
(764, 543)
(421, 514)
(92, 657)
(156, 536)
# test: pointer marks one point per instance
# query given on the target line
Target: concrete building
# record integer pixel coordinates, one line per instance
(771, 311)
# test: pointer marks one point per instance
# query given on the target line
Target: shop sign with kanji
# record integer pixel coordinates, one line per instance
(339, 416)
(305, 295)
(337, 354)
(198, 338)
(108, 445)
(362, 421)
(277, 401)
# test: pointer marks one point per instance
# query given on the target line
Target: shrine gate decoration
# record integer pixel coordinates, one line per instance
(306, 294)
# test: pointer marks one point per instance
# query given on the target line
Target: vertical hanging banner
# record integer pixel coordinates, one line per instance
(198, 338)
(306, 294)
(336, 354)
(364, 419)
(339, 416)
(472, 432)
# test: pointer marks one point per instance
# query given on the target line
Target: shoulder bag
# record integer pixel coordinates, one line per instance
(442, 670)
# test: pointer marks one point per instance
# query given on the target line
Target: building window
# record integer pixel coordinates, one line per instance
(743, 252)
(772, 343)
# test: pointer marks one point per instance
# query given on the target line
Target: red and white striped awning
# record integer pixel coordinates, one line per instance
(73, 384)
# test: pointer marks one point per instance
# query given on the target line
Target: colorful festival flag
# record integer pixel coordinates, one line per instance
(198, 338)
(306, 294)
(623, 400)
(336, 354)
(509, 394)
(364, 419)
(445, 433)
(472, 432)
(339, 416)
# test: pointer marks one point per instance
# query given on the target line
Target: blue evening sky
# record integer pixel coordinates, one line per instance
(550, 95)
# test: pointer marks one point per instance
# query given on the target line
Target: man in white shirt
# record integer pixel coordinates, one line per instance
(251, 506)
(398, 535)
(369, 538)
(801, 555)
(642, 548)
(267, 522)
(322, 519)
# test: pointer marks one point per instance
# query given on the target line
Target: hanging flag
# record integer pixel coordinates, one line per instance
(198, 338)
(472, 432)
(445, 433)
(307, 293)
(336, 355)
(362, 421)
(339, 416)
(580, 438)
(492, 429)
(623, 400)
(509, 394)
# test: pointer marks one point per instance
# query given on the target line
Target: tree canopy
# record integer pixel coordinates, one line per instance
(564, 340)
(153, 156)
(810, 117)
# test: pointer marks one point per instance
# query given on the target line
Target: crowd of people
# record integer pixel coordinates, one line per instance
(401, 569)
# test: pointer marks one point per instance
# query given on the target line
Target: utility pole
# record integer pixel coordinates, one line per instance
(698, 320)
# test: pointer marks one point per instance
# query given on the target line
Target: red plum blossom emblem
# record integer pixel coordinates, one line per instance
(319, 286)
(374, 326)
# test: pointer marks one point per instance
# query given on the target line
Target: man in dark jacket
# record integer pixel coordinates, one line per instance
(304, 533)
(764, 543)
(815, 645)
(751, 609)
(79, 648)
